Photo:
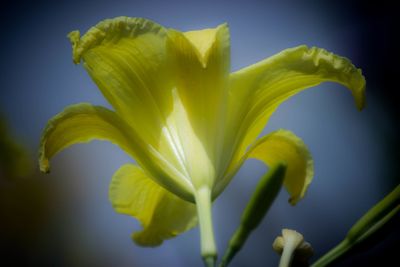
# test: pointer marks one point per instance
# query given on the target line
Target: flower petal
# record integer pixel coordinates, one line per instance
(84, 122)
(281, 146)
(78, 124)
(256, 91)
(142, 68)
(127, 59)
(201, 69)
(162, 214)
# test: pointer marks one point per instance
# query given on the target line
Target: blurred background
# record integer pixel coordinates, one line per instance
(65, 218)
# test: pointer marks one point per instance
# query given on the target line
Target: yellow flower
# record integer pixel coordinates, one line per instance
(186, 120)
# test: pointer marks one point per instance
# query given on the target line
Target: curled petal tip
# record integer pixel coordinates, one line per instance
(74, 38)
(142, 240)
(358, 86)
(293, 200)
(109, 31)
(361, 102)
(44, 165)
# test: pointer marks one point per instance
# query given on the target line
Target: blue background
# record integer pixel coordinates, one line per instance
(355, 152)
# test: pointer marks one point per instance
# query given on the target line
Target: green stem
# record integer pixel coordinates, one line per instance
(235, 244)
(375, 215)
(332, 255)
(208, 248)
(365, 227)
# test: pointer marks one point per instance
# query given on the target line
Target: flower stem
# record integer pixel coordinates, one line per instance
(334, 254)
(364, 228)
(208, 248)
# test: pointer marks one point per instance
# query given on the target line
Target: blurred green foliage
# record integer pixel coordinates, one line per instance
(25, 205)
(14, 158)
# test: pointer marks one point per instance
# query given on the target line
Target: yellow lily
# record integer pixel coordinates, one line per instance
(186, 120)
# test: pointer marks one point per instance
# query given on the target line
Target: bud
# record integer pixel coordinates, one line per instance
(291, 246)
